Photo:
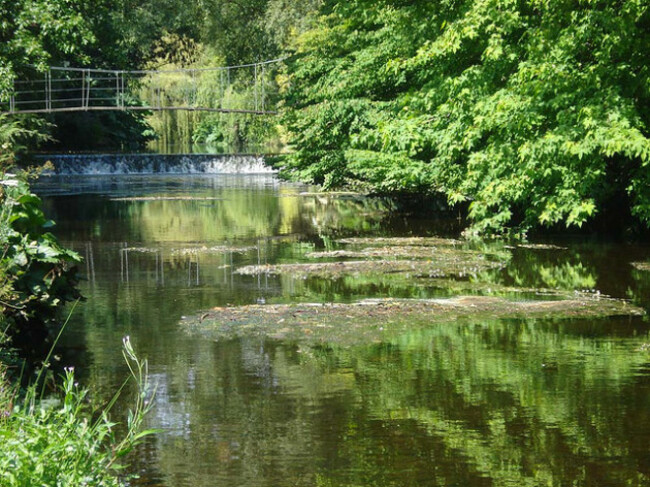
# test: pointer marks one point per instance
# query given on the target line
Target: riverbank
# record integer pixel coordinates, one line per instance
(50, 434)
(58, 439)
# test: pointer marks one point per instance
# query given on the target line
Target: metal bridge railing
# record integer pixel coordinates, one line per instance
(230, 89)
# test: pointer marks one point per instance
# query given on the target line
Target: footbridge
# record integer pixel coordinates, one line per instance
(247, 88)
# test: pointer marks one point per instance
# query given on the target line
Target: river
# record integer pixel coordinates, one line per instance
(477, 402)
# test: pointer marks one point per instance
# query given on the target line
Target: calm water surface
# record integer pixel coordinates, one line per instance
(473, 403)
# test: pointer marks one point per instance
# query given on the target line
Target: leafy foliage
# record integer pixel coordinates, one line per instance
(56, 442)
(151, 34)
(533, 113)
(228, 33)
(37, 274)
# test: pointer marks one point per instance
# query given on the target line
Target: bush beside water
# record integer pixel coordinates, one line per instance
(37, 274)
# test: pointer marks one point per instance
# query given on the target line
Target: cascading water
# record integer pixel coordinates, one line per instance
(100, 164)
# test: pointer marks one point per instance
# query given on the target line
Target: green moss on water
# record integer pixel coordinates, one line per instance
(168, 198)
(218, 249)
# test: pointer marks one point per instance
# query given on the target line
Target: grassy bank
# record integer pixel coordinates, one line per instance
(54, 440)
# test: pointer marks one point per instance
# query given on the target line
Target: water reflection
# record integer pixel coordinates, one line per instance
(505, 403)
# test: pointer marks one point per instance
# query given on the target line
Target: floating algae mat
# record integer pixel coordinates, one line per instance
(532, 246)
(439, 267)
(419, 260)
(142, 250)
(641, 266)
(372, 320)
(332, 194)
(412, 251)
(400, 241)
(409, 262)
(168, 198)
(219, 249)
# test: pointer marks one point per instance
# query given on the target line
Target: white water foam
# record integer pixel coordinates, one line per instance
(114, 164)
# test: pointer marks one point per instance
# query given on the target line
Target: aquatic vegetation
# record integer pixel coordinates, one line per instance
(417, 257)
(372, 320)
(167, 198)
(441, 266)
(331, 193)
(533, 246)
(142, 250)
(415, 252)
(401, 241)
(217, 249)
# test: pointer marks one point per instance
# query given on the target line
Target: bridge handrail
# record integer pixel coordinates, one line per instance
(108, 89)
(155, 71)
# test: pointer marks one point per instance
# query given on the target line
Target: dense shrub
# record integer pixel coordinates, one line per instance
(37, 274)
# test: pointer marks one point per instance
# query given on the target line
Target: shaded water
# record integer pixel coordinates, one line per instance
(473, 403)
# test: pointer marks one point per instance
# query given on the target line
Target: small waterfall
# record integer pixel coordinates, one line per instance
(107, 164)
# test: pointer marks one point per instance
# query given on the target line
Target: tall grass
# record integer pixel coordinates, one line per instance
(56, 441)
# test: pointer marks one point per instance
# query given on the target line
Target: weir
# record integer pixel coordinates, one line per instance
(108, 164)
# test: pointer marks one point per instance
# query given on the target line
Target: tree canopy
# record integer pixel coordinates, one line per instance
(532, 113)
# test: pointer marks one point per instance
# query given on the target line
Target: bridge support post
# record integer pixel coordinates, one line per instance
(117, 89)
(120, 90)
(194, 94)
(12, 99)
(48, 88)
(255, 89)
(85, 88)
(222, 90)
(88, 90)
(263, 87)
(159, 93)
(227, 85)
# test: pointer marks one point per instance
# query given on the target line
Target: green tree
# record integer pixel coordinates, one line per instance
(532, 113)
(37, 32)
